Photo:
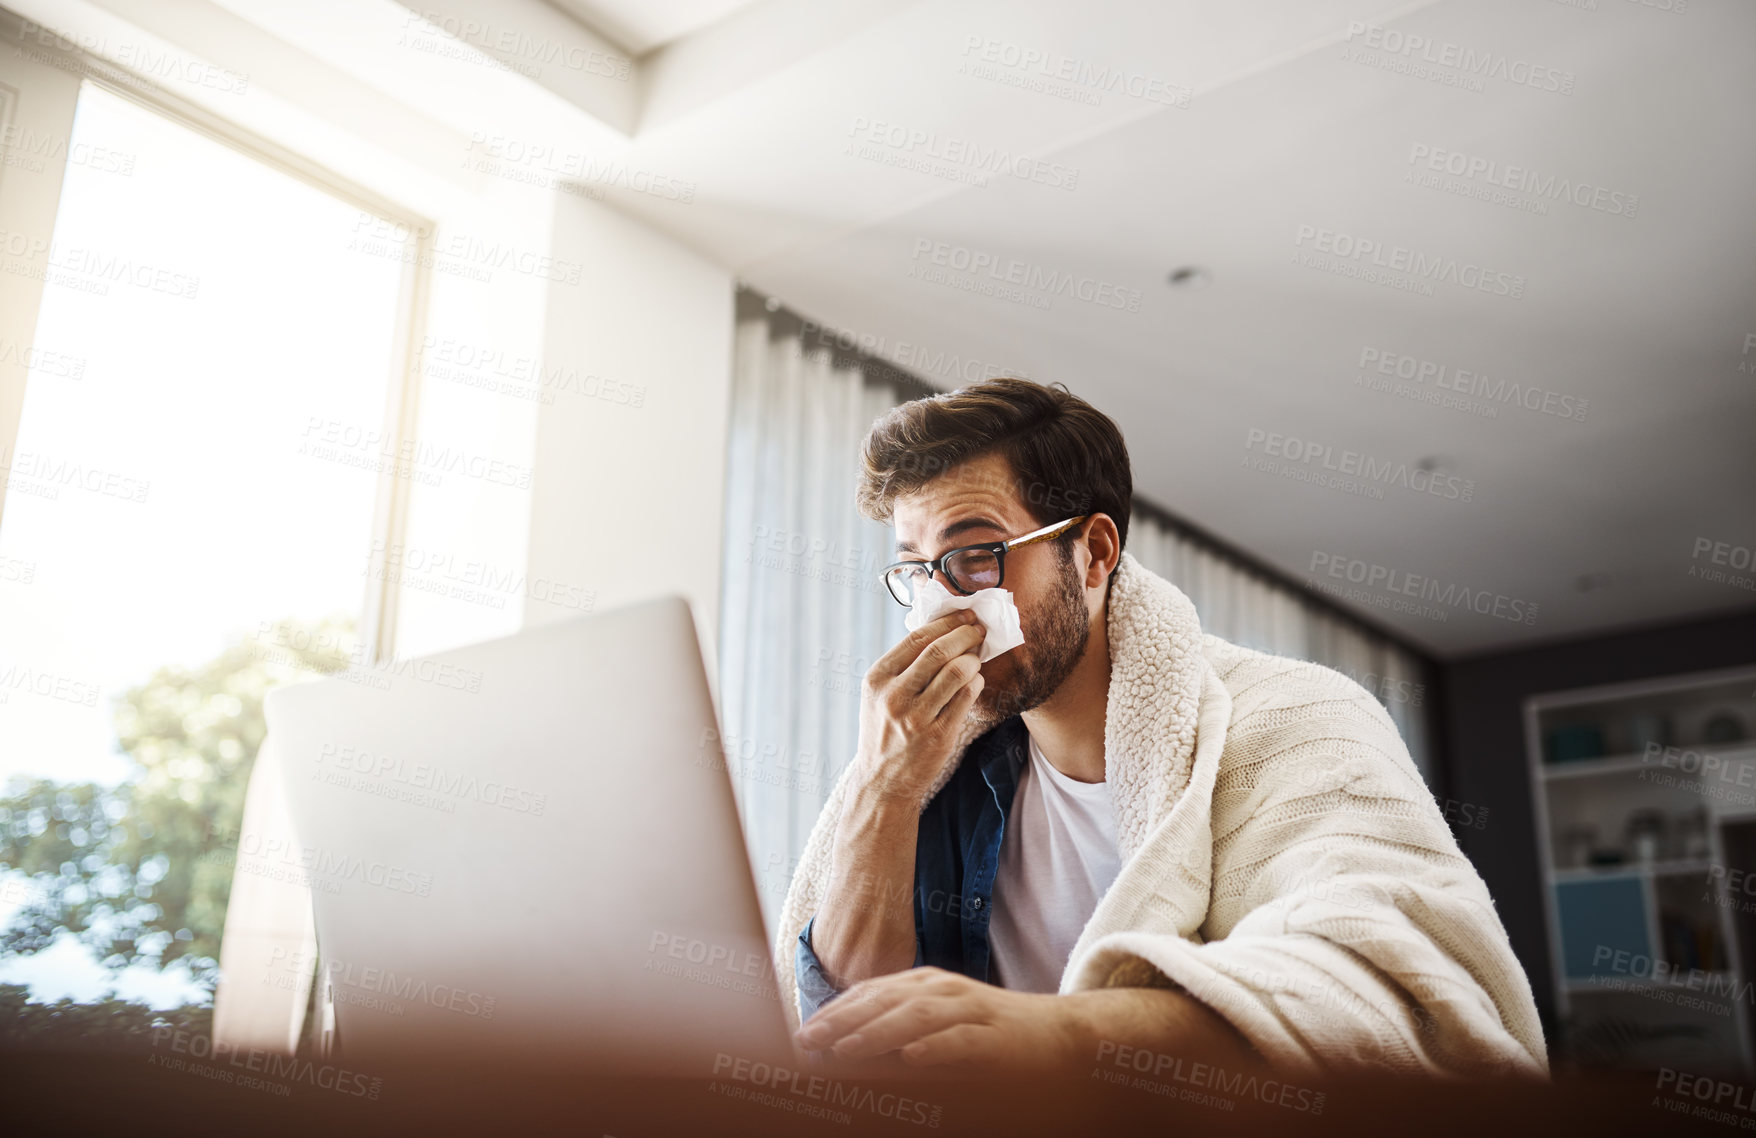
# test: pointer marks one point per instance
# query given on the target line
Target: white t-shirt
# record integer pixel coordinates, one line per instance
(1057, 858)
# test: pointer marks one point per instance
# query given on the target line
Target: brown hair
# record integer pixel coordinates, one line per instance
(1067, 457)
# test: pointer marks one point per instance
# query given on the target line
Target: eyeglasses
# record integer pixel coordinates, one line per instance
(970, 568)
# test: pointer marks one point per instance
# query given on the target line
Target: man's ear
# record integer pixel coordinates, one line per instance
(1105, 544)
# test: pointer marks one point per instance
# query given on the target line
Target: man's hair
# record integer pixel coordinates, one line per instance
(1067, 457)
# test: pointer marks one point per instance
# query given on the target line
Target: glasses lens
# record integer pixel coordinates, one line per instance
(974, 569)
(902, 581)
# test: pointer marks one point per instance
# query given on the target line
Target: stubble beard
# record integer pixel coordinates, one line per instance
(1055, 641)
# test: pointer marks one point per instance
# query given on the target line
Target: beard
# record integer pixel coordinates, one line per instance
(1055, 640)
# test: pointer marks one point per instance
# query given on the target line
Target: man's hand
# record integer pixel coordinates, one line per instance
(931, 1017)
(934, 1017)
(914, 705)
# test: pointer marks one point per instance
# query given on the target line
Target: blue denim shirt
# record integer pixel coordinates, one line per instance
(957, 853)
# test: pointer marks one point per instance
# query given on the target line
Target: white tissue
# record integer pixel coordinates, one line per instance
(993, 607)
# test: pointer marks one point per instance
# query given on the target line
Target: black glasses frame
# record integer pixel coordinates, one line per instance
(998, 548)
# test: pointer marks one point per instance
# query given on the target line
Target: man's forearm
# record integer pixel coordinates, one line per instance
(1162, 1020)
(866, 925)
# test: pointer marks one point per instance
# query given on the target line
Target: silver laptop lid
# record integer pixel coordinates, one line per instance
(531, 844)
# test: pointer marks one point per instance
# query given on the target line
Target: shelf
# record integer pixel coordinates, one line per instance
(1675, 867)
(1742, 750)
(1645, 911)
(1588, 768)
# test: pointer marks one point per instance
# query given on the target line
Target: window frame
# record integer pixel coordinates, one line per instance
(381, 594)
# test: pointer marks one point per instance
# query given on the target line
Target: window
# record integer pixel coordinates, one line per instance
(204, 464)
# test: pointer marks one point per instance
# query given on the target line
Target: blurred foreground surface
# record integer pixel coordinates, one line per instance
(175, 1091)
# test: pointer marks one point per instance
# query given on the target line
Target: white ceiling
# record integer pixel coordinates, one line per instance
(1645, 316)
(638, 26)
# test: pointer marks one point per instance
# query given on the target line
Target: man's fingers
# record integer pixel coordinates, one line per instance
(902, 1024)
(917, 676)
(962, 699)
(865, 1001)
(953, 679)
(958, 1044)
(848, 1012)
(904, 651)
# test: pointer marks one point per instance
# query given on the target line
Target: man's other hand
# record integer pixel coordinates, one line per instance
(932, 1017)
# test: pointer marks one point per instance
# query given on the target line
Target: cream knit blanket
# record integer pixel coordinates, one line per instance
(1282, 861)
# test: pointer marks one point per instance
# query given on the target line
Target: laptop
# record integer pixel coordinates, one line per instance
(531, 846)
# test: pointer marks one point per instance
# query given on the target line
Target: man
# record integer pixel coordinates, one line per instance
(1121, 832)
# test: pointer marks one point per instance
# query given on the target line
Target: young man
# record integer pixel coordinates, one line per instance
(1121, 832)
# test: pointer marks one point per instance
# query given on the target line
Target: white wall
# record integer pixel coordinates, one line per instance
(627, 500)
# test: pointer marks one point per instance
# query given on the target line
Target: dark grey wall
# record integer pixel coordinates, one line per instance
(1485, 763)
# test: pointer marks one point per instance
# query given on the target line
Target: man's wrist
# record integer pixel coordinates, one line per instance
(876, 806)
(1167, 1020)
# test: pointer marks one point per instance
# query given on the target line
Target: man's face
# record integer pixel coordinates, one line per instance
(978, 501)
